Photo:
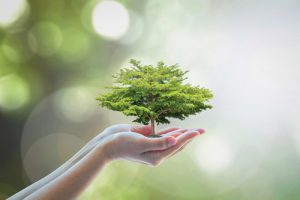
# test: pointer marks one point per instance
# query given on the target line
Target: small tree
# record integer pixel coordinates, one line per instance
(155, 93)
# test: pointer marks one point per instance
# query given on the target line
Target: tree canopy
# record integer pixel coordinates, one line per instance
(155, 93)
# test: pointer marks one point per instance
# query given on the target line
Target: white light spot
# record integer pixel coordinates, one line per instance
(10, 11)
(45, 38)
(110, 19)
(14, 92)
(75, 104)
(214, 154)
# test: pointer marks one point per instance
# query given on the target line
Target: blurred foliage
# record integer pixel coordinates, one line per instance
(46, 46)
(53, 64)
(55, 39)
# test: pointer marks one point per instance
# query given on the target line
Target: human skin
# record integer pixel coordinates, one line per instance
(122, 141)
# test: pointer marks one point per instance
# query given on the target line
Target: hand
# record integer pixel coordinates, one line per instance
(144, 130)
(130, 143)
(122, 141)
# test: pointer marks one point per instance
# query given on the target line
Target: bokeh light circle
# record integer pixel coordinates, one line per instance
(75, 104)
(11, 10)
(50, 131)
(75, 46)
(135, 29)
(110, 19)
(48, 152)
(11, 53)
(214, 154)
(14, 92)
(16, 49)
(50, 116)
(6, 67)
(45, 38)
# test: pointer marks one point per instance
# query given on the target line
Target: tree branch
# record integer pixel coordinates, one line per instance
(161, 112)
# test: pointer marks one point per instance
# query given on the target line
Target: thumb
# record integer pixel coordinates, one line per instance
(153, 144)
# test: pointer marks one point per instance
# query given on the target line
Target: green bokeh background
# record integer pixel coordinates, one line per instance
(53, 64)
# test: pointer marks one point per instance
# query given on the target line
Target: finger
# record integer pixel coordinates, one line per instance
(155, 144)
(200, 130)
(167, 130)
(176, 132)
(181, 140)
(141, 129)
(183, 130)
(181, 148)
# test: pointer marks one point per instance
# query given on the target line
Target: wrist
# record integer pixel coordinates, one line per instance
(104, 152)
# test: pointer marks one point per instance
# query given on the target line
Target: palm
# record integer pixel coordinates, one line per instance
(143, 130)
(135, 146)
(128, 133)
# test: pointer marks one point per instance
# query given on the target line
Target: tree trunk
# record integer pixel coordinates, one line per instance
(153, 126)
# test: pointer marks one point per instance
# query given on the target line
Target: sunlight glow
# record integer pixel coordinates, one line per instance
(110, 19)
(214, 154)
(10, 11)
(75, 104)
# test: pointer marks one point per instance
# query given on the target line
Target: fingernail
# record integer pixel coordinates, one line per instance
(195, 133)
(182, 130)
(171, 141)
(200, 130)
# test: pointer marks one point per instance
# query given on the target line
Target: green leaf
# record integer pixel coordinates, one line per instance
(155, 92)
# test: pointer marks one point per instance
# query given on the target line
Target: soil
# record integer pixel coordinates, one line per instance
(154, 136)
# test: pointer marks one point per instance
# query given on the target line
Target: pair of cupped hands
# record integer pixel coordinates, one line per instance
(122, 141)
(131, 142)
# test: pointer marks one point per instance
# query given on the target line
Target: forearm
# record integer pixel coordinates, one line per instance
(68, 181)
(73, 181)
(58, 172)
